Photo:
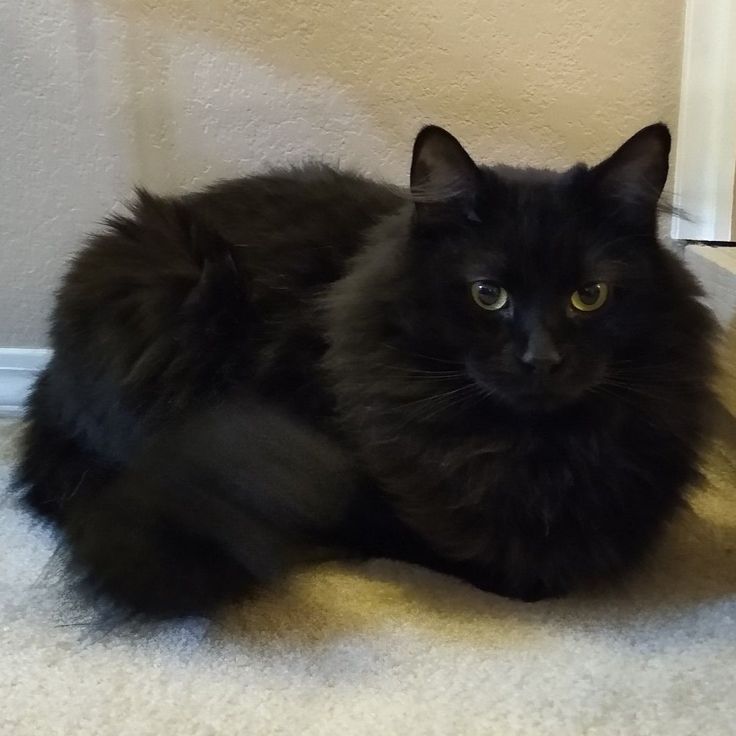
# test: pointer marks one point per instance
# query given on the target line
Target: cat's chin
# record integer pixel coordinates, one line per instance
(528, 398)
(543, 395)
(532, 400)
(540, 402)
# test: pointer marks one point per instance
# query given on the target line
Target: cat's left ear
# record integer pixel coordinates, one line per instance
(443, 175)
(637, 171)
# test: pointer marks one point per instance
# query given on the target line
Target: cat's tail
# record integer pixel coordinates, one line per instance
(55, 465)
(152, 317)
(228, 499)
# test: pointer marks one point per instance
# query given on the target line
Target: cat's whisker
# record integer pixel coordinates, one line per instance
(654, 385)
(413, 354)
(454, 403)
(429, 406)
(634, 403)
(417, 371)
(632, 395)
(437, 397)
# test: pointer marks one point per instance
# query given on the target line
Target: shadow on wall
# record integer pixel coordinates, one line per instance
(568, 78)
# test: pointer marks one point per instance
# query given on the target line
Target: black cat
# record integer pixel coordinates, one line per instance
(501, 374)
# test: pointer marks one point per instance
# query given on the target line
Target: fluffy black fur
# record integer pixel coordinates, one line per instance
(292, 366)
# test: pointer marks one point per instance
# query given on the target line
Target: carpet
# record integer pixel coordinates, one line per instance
(387, 648)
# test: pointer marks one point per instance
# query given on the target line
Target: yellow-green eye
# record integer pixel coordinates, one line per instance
(590, 297)
(488, 295)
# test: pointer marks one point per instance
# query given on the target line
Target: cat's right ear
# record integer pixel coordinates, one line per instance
(442, 175)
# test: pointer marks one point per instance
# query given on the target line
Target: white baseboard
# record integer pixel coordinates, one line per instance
(18, 369)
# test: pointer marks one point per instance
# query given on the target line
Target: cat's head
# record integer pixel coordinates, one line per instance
(544, 287)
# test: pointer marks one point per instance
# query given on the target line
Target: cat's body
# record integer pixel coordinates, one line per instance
(291, 366)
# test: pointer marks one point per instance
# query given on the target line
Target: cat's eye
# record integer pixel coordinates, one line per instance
(590, 297)
(489, 296)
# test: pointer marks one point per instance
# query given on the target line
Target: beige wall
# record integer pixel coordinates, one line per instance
(174, 93)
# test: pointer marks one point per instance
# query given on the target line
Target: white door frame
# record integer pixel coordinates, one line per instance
(705, 165)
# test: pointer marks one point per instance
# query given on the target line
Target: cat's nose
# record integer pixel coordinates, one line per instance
(541, 355)
(541, 364)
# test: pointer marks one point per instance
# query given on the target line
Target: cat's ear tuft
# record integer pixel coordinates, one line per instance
(442, 172)
(637, 171)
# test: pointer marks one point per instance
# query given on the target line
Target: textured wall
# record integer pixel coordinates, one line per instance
(97, 95)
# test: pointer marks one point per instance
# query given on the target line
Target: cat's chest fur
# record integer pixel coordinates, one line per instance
(537, 498)
(538, 469)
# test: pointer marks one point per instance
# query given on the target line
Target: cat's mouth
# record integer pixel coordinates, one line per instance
(529, 393)
(543, 399)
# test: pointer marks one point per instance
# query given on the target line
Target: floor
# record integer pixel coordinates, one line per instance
(386, 648)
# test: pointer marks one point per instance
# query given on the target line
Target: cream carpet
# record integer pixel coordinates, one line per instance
(385, 648)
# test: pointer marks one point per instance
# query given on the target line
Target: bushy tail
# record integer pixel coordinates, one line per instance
(55, 466)
(230, 498)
